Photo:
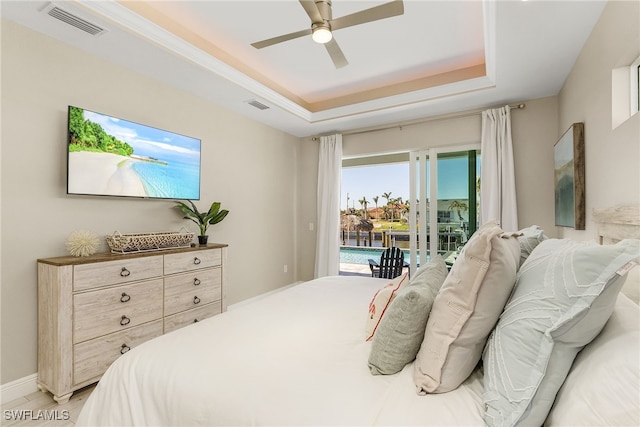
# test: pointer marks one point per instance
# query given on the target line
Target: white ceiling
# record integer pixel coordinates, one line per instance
(423, 63)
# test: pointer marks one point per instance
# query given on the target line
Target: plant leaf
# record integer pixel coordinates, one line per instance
(185, 210)
(219, 216)
(213, 216)
(194, 208)
(213, 210)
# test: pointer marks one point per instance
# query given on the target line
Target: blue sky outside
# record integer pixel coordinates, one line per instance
(371, 181)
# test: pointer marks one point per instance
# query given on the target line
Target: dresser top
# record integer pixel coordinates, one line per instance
(108, 256)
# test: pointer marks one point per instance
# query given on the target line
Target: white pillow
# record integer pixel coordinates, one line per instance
(603, 385)
(564, 294)
(631, 287)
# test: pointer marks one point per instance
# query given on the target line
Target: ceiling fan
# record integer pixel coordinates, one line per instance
(323, 24)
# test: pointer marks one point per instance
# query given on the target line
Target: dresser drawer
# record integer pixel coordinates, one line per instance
(116, 308)
(89, 276)
(194, 315)
(189, 290)
(188, 261)
(82, 301)
(92, 358)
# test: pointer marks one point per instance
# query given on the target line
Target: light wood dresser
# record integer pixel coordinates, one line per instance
(93, 309)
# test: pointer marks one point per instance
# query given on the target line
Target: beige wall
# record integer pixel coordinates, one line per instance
(307, 185)
(40, 78)
(612, 155)
(533, 133)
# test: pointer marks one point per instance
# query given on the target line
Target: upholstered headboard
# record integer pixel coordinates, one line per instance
(617, 223)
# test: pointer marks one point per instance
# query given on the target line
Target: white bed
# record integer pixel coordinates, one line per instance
(299, 357)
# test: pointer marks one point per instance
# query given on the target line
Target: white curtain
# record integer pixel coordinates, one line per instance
(329, 177)
(497, 177)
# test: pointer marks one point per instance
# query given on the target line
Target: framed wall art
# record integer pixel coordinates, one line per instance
(569, 178)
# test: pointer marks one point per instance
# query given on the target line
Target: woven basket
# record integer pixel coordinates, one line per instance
(142, 242)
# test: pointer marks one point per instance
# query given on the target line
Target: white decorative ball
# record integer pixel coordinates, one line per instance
(82, 243)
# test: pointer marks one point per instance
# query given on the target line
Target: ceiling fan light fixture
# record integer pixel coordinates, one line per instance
(321, 34)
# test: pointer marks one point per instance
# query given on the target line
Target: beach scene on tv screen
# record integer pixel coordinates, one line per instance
(115, 157)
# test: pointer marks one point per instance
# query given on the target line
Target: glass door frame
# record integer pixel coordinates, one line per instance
(418, 160)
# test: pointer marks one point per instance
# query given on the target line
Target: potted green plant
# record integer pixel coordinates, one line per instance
(203, 219)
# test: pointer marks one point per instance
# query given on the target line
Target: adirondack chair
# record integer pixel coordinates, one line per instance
(390, 266)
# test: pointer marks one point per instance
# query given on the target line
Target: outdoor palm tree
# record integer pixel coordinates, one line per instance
(375, 200)
(396, 204)
(459, 207)
(388, 197)
(386, 210)
(364, 202)
(406, 208)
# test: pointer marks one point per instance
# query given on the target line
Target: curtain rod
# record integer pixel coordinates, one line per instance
(431, 119)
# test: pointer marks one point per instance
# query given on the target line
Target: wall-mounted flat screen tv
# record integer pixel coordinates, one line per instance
(114, 157)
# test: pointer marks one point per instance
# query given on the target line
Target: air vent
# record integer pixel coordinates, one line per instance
(259, 105)
(73, 20)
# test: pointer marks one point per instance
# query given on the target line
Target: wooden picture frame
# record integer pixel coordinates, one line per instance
(569, 178)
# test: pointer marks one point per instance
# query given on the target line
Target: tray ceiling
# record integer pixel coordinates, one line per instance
(438, 57)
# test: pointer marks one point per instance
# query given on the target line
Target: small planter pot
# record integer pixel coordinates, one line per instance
(202, 240)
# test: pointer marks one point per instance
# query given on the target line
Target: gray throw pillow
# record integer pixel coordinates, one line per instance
(401, 329)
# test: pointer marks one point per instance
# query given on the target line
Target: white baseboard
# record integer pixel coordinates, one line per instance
(257, 297)
(18, 388)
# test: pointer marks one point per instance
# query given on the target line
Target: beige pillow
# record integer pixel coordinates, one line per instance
(466, 309)
(381, 301)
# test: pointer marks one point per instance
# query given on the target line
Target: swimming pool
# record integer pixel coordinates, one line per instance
(352, 255)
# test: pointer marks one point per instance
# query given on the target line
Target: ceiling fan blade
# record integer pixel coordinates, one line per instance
(280, 39)
(312, 10)
(338, 58)
(386, 10)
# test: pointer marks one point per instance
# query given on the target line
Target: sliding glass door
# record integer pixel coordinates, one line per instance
(444, 189)
(438, 216)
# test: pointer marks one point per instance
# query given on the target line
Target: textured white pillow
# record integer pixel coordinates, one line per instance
(381, 301)
(631, 287)
(603, 385)
(466, 309)
(564, 295)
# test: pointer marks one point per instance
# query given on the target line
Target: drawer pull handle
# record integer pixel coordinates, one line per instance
(124, 320)
(196, 300)
(124, 349)
(124, 272)
(196, 281)
(196, 260)
(125, 297)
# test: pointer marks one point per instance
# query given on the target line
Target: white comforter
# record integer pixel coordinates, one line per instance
(297, 357)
